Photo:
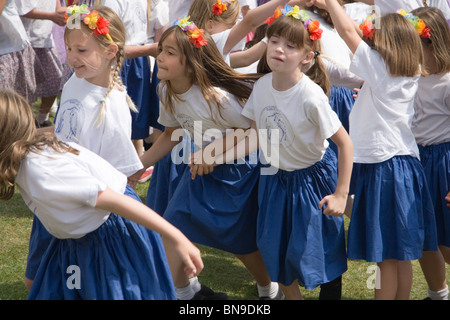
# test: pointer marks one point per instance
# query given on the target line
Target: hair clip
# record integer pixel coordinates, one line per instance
(193, 32)
(313, 26)
(92, 19)
(368, 27)
(419, 24)
(221, 6)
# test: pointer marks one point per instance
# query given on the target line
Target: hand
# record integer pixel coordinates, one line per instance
(133, 179)
(202, 166)
(178, 247)
(335, 204)
(318, 3)
(58, 16)
(447, 198)
(355, 95)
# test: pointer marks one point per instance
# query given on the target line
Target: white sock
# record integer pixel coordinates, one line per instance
(185, 293)
(270, 290)
(439, 295)
(195, 284)
(41, 117)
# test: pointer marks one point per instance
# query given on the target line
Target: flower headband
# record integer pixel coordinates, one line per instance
(221, 6)
(91, 18)
(195, 34)
(313, 26)
(368, 26)
(419, 24)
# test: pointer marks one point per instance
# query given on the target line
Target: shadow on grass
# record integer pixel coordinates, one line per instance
(15, 207)
(13, 291)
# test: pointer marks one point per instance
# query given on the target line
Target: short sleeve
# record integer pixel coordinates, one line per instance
(322, 115)
(60, 182)
(368, 65)
(249, 110)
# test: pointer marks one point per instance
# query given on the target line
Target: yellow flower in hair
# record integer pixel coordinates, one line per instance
(294, 12)
(91, 19)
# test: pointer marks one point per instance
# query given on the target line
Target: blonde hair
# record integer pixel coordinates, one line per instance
(294, 30)
(399, 44)
(209, 70)
(439, 41)
(18, 138)
(201, 11)
(118, 34)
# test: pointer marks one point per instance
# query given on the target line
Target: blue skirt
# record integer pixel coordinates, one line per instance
(165, 178)
(121, 260)
(219, 209)
(436, 163)
(135, 76)
(341, 101)
(296, 240)
(392, 215)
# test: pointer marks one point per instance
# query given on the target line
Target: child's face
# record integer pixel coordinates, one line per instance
(284, 56)
(88, 59)
(172, 65)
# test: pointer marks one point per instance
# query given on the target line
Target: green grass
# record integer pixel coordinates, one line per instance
(222, 272)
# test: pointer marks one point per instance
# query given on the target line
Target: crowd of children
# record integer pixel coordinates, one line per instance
(257, 150)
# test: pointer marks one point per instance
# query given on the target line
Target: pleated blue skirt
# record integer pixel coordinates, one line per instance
(219, 209)
(136, 77)
(392, 215)
(436, 163)
(121, 260)
(165, 178)
(341, 101)
(296, 240)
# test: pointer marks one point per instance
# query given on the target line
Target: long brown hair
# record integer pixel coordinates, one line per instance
(19, 137)
(293, 30)
(439, 41)
(398, 43)
(209, 70)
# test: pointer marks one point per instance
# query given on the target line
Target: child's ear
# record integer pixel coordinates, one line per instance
(307, 61)
(111, 51)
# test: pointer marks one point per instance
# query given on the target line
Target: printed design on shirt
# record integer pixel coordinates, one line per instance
(187, 123)
(273, 119)
(140, 18)
(67, 126)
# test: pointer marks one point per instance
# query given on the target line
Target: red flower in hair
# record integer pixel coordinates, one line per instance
(367, 29)
(102, 26)
(426, 33)
(315, 32)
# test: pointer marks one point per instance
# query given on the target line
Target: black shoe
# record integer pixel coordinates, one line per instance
(206, 293)
(331, 290)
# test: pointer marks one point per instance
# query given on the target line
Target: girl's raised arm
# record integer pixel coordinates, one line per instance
(253, 19)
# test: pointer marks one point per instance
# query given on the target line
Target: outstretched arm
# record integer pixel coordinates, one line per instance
(177, 245)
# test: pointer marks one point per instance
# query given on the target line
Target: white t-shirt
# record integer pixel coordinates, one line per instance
(134, 16)
(380, 120)
(431, 122)
(303, 116)
(13, 36)
(220, 40)
(61, 190)
(332, 44)
(178, 9)
(193, 114)
(391, 6)
(76, 121)
(39, 31)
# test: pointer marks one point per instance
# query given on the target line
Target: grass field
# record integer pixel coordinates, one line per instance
(223, 272)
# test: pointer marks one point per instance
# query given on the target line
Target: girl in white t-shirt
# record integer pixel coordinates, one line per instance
(38, 18)
(301, 232)
(17, 57)
(392, 220)
(95, 254)
(431, 127)
(201, 94)
(94, 110)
